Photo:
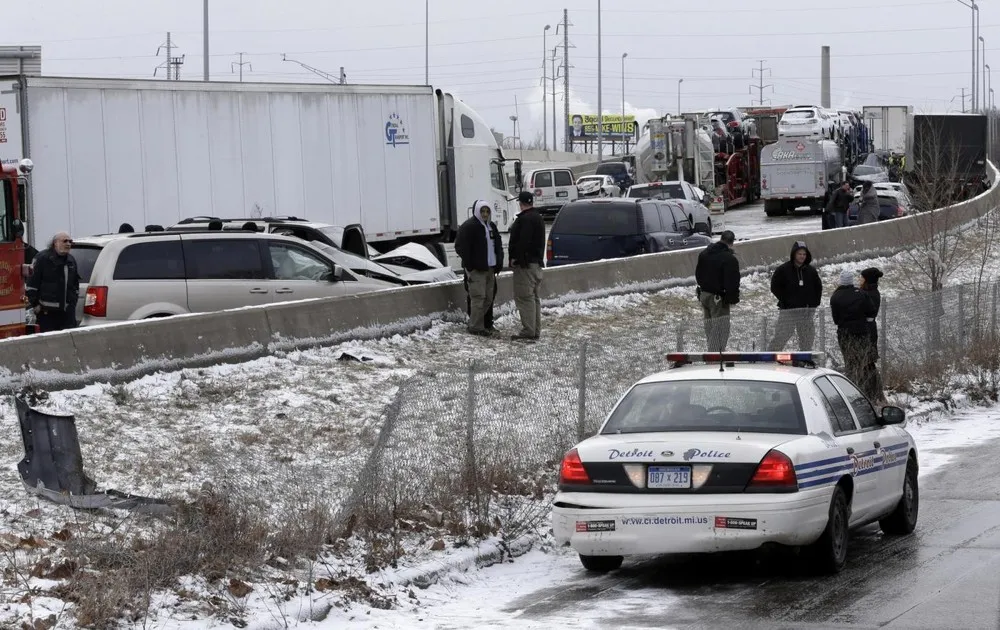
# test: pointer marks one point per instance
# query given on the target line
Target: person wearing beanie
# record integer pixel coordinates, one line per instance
(871, 383)
(851, 308)
(479, 246)
(799, 290)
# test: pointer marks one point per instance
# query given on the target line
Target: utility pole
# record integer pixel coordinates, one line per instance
(600, 106)
(240, 63)
(172, 64)
(205, 44)
(760, 87)
(343, 76)
(568, 139)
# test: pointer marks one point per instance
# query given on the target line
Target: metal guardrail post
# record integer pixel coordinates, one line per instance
(581, 400)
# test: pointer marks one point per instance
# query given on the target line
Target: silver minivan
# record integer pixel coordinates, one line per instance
(159, 274)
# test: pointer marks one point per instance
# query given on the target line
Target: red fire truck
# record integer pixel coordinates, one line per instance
(737, 173)
(12, 268)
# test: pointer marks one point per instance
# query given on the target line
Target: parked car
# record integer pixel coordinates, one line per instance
(871, 169)
(619, 171)
(159, 274)
(553, 188)
(897, 188)
(597, 229)
(889, 203)
(668, 190)
(597, 186)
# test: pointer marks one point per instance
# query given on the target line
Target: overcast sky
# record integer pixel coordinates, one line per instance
(883, 52)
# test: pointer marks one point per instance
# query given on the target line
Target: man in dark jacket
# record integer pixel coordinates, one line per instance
(836, 210)
(526, 250)
(718, 277)
(799, 290)
(479, 246)
(851, 309)
(53, 288)
(871, 383)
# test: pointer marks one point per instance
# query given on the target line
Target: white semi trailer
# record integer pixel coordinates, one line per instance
(406, 162)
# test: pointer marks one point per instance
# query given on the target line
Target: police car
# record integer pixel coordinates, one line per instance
(729, 451)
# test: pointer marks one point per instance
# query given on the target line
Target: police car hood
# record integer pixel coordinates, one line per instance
(681, 447)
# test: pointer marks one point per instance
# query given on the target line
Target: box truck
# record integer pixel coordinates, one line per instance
(887, 127)
(946, 155)
(406, 162)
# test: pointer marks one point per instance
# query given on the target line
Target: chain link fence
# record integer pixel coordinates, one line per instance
(456, 442)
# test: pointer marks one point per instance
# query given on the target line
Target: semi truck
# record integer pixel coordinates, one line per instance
(946, 153)
(887, 125)
(797, 172)
(406, 162)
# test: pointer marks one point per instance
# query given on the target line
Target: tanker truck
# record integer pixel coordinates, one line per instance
(798, 172)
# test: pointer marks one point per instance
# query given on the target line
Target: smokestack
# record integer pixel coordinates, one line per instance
(824, 78)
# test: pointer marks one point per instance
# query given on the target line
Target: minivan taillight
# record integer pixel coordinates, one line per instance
(96, 302)
(774, 472)
(548, 250)
(572, 470)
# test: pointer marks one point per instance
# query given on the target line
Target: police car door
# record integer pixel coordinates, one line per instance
(857, 443)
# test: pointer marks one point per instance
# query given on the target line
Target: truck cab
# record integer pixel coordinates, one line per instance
(12, 301)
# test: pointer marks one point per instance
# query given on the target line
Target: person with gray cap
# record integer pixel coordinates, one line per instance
(851, 309)
(718, 277)
(479, 246)
(799, 290)
(526, 250)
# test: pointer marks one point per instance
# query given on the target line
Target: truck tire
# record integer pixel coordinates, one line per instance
(774, 208)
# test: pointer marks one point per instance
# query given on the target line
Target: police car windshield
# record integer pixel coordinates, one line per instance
(709, 405)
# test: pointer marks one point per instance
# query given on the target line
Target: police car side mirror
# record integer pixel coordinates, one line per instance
(893, 415)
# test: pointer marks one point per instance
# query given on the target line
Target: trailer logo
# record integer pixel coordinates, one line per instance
(784, 154)
(395, 132)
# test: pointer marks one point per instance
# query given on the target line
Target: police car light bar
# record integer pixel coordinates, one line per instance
(685, 358)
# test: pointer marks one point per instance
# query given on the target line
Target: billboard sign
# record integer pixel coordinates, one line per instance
(583, 127)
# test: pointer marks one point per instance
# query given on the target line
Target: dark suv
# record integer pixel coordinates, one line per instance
(596, 229)
(618, 172)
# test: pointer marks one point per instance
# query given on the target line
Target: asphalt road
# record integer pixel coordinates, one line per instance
(944, 576)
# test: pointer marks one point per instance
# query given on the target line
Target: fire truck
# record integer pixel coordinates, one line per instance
(737, 169)
(13, 314)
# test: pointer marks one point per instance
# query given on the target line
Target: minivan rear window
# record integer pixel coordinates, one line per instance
(611, 168)
(598, 220)
(159, 260)
(85, 257)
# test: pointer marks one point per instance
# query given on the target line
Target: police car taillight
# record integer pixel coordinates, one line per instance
(572, 470)
(775, 471)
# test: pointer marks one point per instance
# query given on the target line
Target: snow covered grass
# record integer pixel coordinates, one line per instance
(270, 440)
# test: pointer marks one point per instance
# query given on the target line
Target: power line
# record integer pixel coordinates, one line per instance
(760, 87)
(788, 34)
(767, 10)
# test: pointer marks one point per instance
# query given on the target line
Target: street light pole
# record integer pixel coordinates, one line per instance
(600, 111)
(427, 42)
(975, 57)
(205, 44)
(982, 56)
(624, 55)
(545, 100)
(679, 81)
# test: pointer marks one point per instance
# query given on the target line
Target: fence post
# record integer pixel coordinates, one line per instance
(993, 313)
(961, 317)
(883, 338)
(470, 425)
(821, 313)
(680, 335)
(763, 333)
(581, 399)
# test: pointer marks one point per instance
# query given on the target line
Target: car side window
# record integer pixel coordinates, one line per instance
(679, 217)
(862, 408)
(666, 217)
(294, 263)
(543, 179)
(836, 407)
(564, 178)
(220, 259)
(161, 260)
(651, 218)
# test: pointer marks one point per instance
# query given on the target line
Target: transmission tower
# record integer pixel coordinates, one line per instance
(758, 73)
(172, 64)
(240, 64)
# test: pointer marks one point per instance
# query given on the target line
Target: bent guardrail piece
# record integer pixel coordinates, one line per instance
(52, 467)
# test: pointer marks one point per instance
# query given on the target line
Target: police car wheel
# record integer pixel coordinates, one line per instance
(601, 564)
(903, 519)
(829, 553)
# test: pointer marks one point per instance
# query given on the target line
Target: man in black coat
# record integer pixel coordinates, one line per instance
(851, 308)
(835, 215)
(718, 277)
(526, 250)
(479, 246)
(799, 290)
(871, 383)
(53, 288)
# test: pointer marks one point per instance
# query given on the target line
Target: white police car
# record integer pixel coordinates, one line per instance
(730, 451)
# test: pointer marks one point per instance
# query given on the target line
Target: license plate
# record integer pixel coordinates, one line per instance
(562, 193)
(668, 477)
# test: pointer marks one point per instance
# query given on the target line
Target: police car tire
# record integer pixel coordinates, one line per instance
(903, 519)
(601, 564)
(829, 553)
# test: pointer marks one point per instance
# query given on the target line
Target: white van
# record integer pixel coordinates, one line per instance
(553, 188)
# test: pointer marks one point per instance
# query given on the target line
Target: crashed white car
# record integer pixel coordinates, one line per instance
(597, 186)
(733, 451)
(383, 268)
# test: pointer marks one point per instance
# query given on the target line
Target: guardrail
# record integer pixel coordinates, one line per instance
(121, 352)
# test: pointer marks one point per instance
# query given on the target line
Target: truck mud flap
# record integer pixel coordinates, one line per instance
(52, 467)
